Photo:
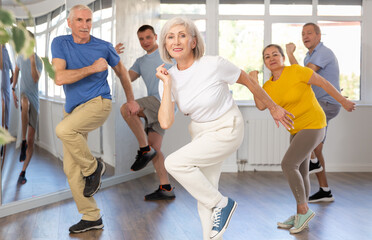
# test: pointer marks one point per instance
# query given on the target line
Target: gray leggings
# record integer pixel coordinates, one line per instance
(295, 163)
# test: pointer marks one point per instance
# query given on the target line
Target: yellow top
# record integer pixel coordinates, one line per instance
(293, 93)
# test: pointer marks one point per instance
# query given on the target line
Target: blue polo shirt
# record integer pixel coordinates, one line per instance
(82, 55)
(326, 60)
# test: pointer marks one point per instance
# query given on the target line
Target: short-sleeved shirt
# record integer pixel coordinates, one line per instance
(145, 66)
(293, 93)
(201, 91)
(7, 65)
(326, 60)
(27, 85)
(82, 55)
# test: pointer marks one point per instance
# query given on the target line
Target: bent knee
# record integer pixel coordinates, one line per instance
(61, 130)
(170, 163)
(124, 110)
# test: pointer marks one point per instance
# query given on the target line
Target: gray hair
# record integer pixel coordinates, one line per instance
(191, 28)
(77, 8)
(315, 26)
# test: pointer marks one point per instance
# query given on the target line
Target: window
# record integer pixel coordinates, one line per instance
(244, 27)
(54, 24)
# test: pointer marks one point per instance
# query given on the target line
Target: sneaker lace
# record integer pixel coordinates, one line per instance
(216, 217)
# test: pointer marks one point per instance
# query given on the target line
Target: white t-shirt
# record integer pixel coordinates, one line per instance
(201, 91)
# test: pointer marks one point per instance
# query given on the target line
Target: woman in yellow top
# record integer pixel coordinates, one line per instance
(290, 88)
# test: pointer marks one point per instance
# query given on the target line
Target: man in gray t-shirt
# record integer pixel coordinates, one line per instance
(150, 145)
(30, 70)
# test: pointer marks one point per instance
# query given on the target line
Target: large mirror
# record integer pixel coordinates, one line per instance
(114, 142)
(31, 165)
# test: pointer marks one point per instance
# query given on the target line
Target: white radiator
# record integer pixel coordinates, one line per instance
(264, 143)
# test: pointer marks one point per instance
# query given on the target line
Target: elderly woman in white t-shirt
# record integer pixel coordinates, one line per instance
(199, 86)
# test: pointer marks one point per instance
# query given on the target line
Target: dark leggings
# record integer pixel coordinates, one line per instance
(295, 163)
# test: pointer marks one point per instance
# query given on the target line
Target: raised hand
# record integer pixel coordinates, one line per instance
(290, 48)
(119, 48)
(162, 74)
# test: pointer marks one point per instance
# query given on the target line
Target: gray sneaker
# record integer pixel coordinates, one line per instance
(84, 226)
(93, 182)
(161, 194)
(289, 223)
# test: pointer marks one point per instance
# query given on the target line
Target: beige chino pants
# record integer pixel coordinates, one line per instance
(78, 161)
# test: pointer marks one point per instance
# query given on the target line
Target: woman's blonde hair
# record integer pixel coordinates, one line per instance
(191, 28)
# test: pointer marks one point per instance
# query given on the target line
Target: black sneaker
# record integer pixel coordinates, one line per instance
(84, 226)
(161, 194)
(321, 196)
(22, 156)
(142, 159)
(93, 182)
(22, 178)
(315, 167)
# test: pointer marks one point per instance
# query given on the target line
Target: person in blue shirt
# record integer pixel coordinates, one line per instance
(81, 62)
(150, 145)
(30, 69)
(324, 62)
(6, 80)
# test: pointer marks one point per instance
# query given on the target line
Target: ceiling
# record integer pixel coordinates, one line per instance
(25, 2)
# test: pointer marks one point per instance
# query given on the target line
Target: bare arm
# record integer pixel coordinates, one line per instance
(313, 66)
(319, 81)
(68, 76)
(166, 110)
(133, 75)
(15, 80)
(290, 49)
(278, 113)
(124, 77)
(34, 72)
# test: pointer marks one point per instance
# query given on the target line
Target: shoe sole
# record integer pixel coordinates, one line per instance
(303, 225)
(218, 235)
(87, 229)
(331, 199)
(284, 226)
(100, 180)
(316, 170)
(159, 199)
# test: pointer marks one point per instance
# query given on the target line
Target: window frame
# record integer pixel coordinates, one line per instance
(212, 18)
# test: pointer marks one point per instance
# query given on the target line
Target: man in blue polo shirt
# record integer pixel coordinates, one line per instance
(323, 61)
(81, 62)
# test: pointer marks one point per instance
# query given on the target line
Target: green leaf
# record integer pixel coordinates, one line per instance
(4, 36)
(5, 136)
(19, 38)
(49, 67)
(6, 18)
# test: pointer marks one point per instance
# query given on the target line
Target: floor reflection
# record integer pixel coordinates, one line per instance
(44, 175)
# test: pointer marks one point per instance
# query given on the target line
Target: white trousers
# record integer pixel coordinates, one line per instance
(197, 165)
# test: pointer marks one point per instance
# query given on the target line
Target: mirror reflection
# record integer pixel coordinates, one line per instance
(32, 165)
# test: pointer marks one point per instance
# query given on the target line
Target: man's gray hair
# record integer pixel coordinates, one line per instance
(77, 8)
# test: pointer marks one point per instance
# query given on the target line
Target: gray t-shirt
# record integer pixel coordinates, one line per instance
(27, 84)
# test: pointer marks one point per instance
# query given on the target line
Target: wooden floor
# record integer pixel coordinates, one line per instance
(44, 175)
(263, 199)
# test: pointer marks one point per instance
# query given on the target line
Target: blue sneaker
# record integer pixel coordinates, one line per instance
(301, 221)
(221, 218)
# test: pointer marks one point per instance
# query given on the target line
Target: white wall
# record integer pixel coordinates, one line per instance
(347, 147)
